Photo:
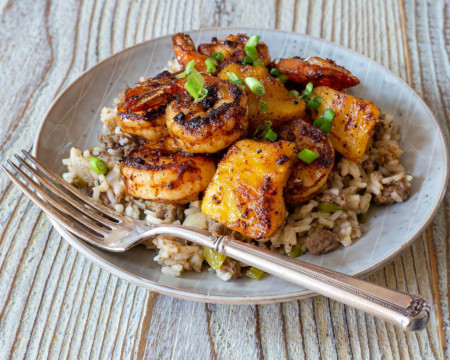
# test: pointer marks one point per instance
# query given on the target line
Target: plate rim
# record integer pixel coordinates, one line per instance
(82, 247)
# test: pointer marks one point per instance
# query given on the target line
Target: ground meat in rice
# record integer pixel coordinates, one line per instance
(320, 241)
(232, 267)
(387, 196)
(167, 212)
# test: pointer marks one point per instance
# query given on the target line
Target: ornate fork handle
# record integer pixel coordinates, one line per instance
(410, 312)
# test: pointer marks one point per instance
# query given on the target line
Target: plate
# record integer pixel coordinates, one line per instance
(73, 120)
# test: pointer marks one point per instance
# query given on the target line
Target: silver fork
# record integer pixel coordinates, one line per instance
(106, 229)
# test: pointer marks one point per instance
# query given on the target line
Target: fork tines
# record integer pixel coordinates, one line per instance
(75, 211)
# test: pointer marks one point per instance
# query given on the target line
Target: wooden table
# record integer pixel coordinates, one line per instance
(54, 303)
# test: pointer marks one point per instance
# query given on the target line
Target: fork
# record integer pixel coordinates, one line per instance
(104, 228)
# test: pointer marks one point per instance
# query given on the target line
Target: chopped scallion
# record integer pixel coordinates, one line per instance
(98, 165)
(294, 93)
(362, 218)
(218, 56)
(329, 114)
(275, 72)
(255, 86)
(194, 86)
(270, 135)
(258, 63)
(211, 65)
(307, 156)
(235, 80)
(187, 70)
(315, 102)
(307, 92)
(248, 60)
(263, 105)
(250, 46)
(324, 122)
(283, 78)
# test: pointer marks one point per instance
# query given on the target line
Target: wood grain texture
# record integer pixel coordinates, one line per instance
(55, 304)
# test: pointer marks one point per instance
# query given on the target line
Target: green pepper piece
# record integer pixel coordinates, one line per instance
(80, 183)
(254, 273)
(328, 207)
(362, 218)
(213, 258)
(296, 251)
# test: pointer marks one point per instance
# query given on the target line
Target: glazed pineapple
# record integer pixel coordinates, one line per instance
(354, 123)
(281, 106)
(246, 192)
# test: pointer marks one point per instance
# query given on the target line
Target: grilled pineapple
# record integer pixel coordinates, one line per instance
(281, 106)
(246, 192)
(154, 171)
(306, 179)
(354, 123)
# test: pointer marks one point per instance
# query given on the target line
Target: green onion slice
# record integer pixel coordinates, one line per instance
(263, 127)
(187, 70)
(211, 65)
(263, 105)
(235, 80)
(248, 60)
(80, 183)
(329, 114)
(270, 135)
(315, 102)
(213, 258)
(254, 273)
(218, 56)
(307, 156)
(307, 92)
(255, 86)
(328, 207)
(194, 86)
(275, 72)
(295, 251)
(283, 78)
(294, 93)
(324, 122)
(98, 165)
(258, 63)
(250, 46)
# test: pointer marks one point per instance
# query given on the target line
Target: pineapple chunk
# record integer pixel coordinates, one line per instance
(354, 123)
(281, 106)
(246, 192)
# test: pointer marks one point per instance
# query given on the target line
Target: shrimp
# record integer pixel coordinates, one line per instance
(307, 180)
(319, 71)
(142, 111)
(185, 51)
(156, 171)
(232, 47)
(212, 124)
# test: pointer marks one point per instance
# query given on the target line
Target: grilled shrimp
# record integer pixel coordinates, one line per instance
(184, 50)
(319, 71)
(155, 171)
(232, 47)
(212, 124)
(142, 111)
(307, 180)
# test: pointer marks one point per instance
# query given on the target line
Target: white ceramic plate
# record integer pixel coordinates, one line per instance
(73, 120)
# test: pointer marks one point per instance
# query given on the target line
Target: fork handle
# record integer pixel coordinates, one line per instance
(410, 312)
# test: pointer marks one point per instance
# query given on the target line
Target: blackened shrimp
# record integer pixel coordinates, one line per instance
(156, 171)
(232, 47)
(143, 110)
(212, 124)
(185, 52)
(318, 71)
